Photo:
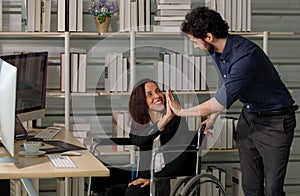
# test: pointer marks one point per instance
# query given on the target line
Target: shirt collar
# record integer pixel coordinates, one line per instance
(225, 56)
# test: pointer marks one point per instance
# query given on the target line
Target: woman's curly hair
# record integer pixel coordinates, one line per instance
(202, 20)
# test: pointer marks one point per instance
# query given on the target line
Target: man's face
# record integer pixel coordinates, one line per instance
(201, 44)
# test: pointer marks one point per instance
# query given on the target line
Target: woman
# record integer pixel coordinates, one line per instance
(155, 125)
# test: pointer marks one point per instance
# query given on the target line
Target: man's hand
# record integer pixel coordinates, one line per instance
(141, 181)
(173, 104)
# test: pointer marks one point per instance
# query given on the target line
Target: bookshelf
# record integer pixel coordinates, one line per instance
(273, 41)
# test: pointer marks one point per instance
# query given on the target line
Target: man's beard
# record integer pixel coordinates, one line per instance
(209, 48)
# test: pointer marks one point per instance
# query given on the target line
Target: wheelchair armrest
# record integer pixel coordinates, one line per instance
(108, 141)
(112, 141)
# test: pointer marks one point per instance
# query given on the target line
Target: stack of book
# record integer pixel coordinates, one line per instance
(237, 13)
(121, 123)
(210, 188)
(80, 131)
(170, 14)
(77, 72)
(237, 189)
(181, 72)
(69, 15)
(116, 73)
(223, 134)
(38, 15)
(135, 15)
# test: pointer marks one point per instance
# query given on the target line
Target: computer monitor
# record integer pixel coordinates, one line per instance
(31, 87)
(31, 83)
(8, 78)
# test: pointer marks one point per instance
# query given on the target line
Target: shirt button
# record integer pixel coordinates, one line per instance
(224, 76)
(224, 61)
(247, 106)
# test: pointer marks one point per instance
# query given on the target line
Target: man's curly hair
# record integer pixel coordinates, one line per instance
(202, 20)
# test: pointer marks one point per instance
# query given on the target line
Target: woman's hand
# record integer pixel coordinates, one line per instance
(173, 104)
(141, 181)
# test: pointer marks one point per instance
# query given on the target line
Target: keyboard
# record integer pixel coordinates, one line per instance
(59, 161)
(48, 133)
(63, 145)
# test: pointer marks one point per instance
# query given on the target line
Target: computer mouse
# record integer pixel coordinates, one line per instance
(71, 153)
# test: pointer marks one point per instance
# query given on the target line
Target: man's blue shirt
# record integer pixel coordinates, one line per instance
(246, 73)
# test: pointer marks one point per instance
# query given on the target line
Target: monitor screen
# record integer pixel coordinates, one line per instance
(31, 83)
(8, 78)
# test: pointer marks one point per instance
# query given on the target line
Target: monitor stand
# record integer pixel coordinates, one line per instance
(20, 131)
(7, 159)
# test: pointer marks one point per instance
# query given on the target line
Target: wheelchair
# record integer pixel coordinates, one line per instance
(186, 185)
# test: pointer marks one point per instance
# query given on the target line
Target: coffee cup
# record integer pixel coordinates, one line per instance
(32, 147)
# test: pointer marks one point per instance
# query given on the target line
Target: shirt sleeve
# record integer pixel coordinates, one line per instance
(144, 134)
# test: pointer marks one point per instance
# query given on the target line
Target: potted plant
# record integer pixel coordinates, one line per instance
(102, 10)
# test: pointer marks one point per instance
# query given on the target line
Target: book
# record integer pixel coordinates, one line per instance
(166, 29)
(173, 23)
(159, 76)
(179, 71)
(228, 13)
(37, 16)
(119, 77)
(141, 15)
(127, 17)
(223, 135)
(74, 71)
(166, 70)
(220, 7)
(82, 71)
(125, 75)
(244, 15)
(30, 15)
(203, 73)
(72, 15)
(134, 15)
(229, 136)
(148, 15)
(234, 15)
(185, 72)
(174, 6)
(172, 1)
(61, 15)
(215, 172)
(122, 16)
(249, 19)
(171, 12)
(79, 15)
(173, 70)
(62, 72)
(191, 73)
(237, 189)
(0, 15)
(239, 15)
(168, 18)
(197, 73)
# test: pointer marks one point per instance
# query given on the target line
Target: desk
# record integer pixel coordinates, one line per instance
(41, 167)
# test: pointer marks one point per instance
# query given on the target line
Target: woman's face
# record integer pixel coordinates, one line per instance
(154, 97)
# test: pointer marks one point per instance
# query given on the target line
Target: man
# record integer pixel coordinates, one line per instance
(266, 124)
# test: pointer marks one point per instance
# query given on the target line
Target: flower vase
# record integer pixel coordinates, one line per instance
(102, 27)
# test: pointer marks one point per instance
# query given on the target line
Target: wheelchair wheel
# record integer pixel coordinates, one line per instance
(203, 185)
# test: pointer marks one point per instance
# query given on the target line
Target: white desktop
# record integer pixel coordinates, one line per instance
(8, 78)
